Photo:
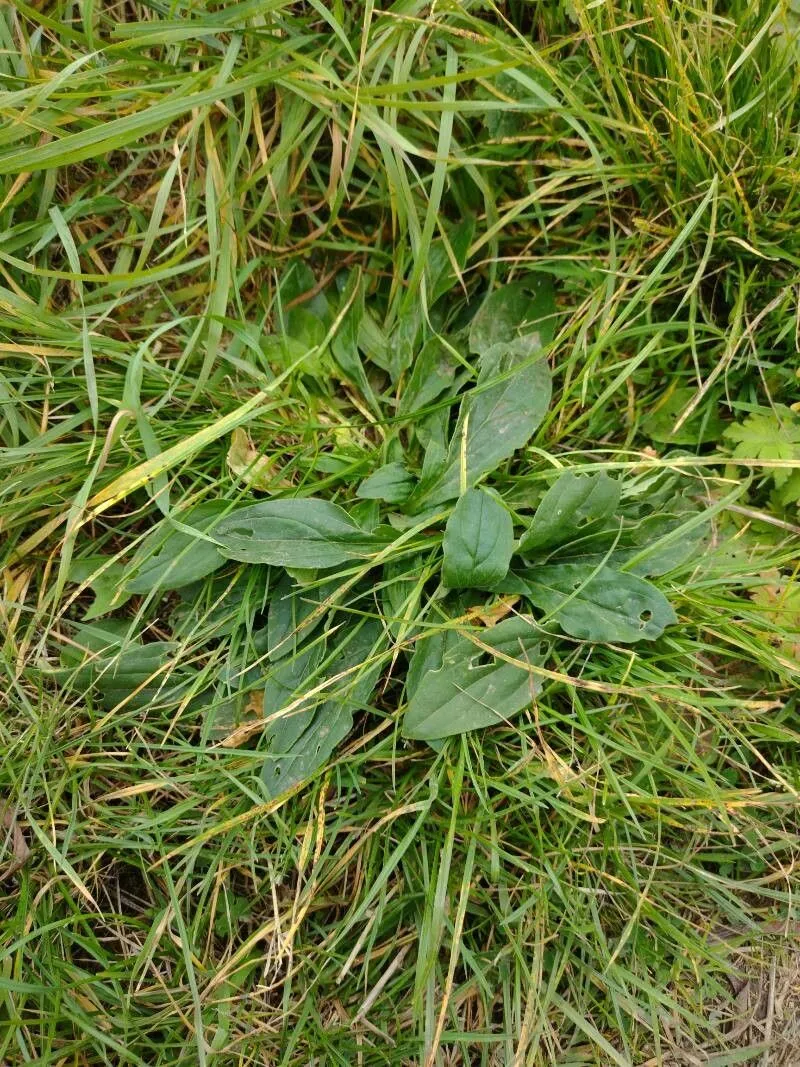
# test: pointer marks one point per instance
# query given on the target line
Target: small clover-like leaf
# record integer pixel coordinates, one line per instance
(478, 542)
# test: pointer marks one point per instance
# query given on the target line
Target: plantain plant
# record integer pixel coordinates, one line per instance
(437, 576)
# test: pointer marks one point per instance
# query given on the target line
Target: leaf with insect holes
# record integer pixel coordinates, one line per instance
(303, 533)
(391, 483)
(572, 505)
(496, 418)
(595, 605)
(516, 310)
(466, 685)
(478, 542)
(170, 557)
(302, 740)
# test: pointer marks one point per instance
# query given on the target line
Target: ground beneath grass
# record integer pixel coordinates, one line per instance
(399, 486)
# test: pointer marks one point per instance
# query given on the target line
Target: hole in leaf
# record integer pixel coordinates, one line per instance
(577, 583)
(483, 659)
(542, 650)
(241, 531)
(645, 617)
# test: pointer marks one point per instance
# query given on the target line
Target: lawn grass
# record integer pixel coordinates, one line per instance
(183, 187)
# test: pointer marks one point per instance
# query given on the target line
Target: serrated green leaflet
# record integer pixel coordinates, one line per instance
(478, 542)
(469, 686)
(304, 533)
(571, 505)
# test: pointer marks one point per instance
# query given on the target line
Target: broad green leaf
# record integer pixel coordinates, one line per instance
(513, 311)
(405, 341)
(299, 291)
(401, 591)
(105, 658)
(106, 579)
(286, 682)
(648, 547)
(433, 373)
(660, 543)
(302, 741)
(366, 513)
(283, 351)
(467, 688)
(439, 268)
(391, 483)
(428, 655)
(605, 605)
(433, 433)
(373, 342)
(302, 533)
(508, 122)
(208, 610)
(496, 418)
(573, 503)
(344, 346)
(290, 610)
(478, 542)
(169, 557)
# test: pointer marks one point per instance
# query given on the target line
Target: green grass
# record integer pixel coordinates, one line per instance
(182, 185)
